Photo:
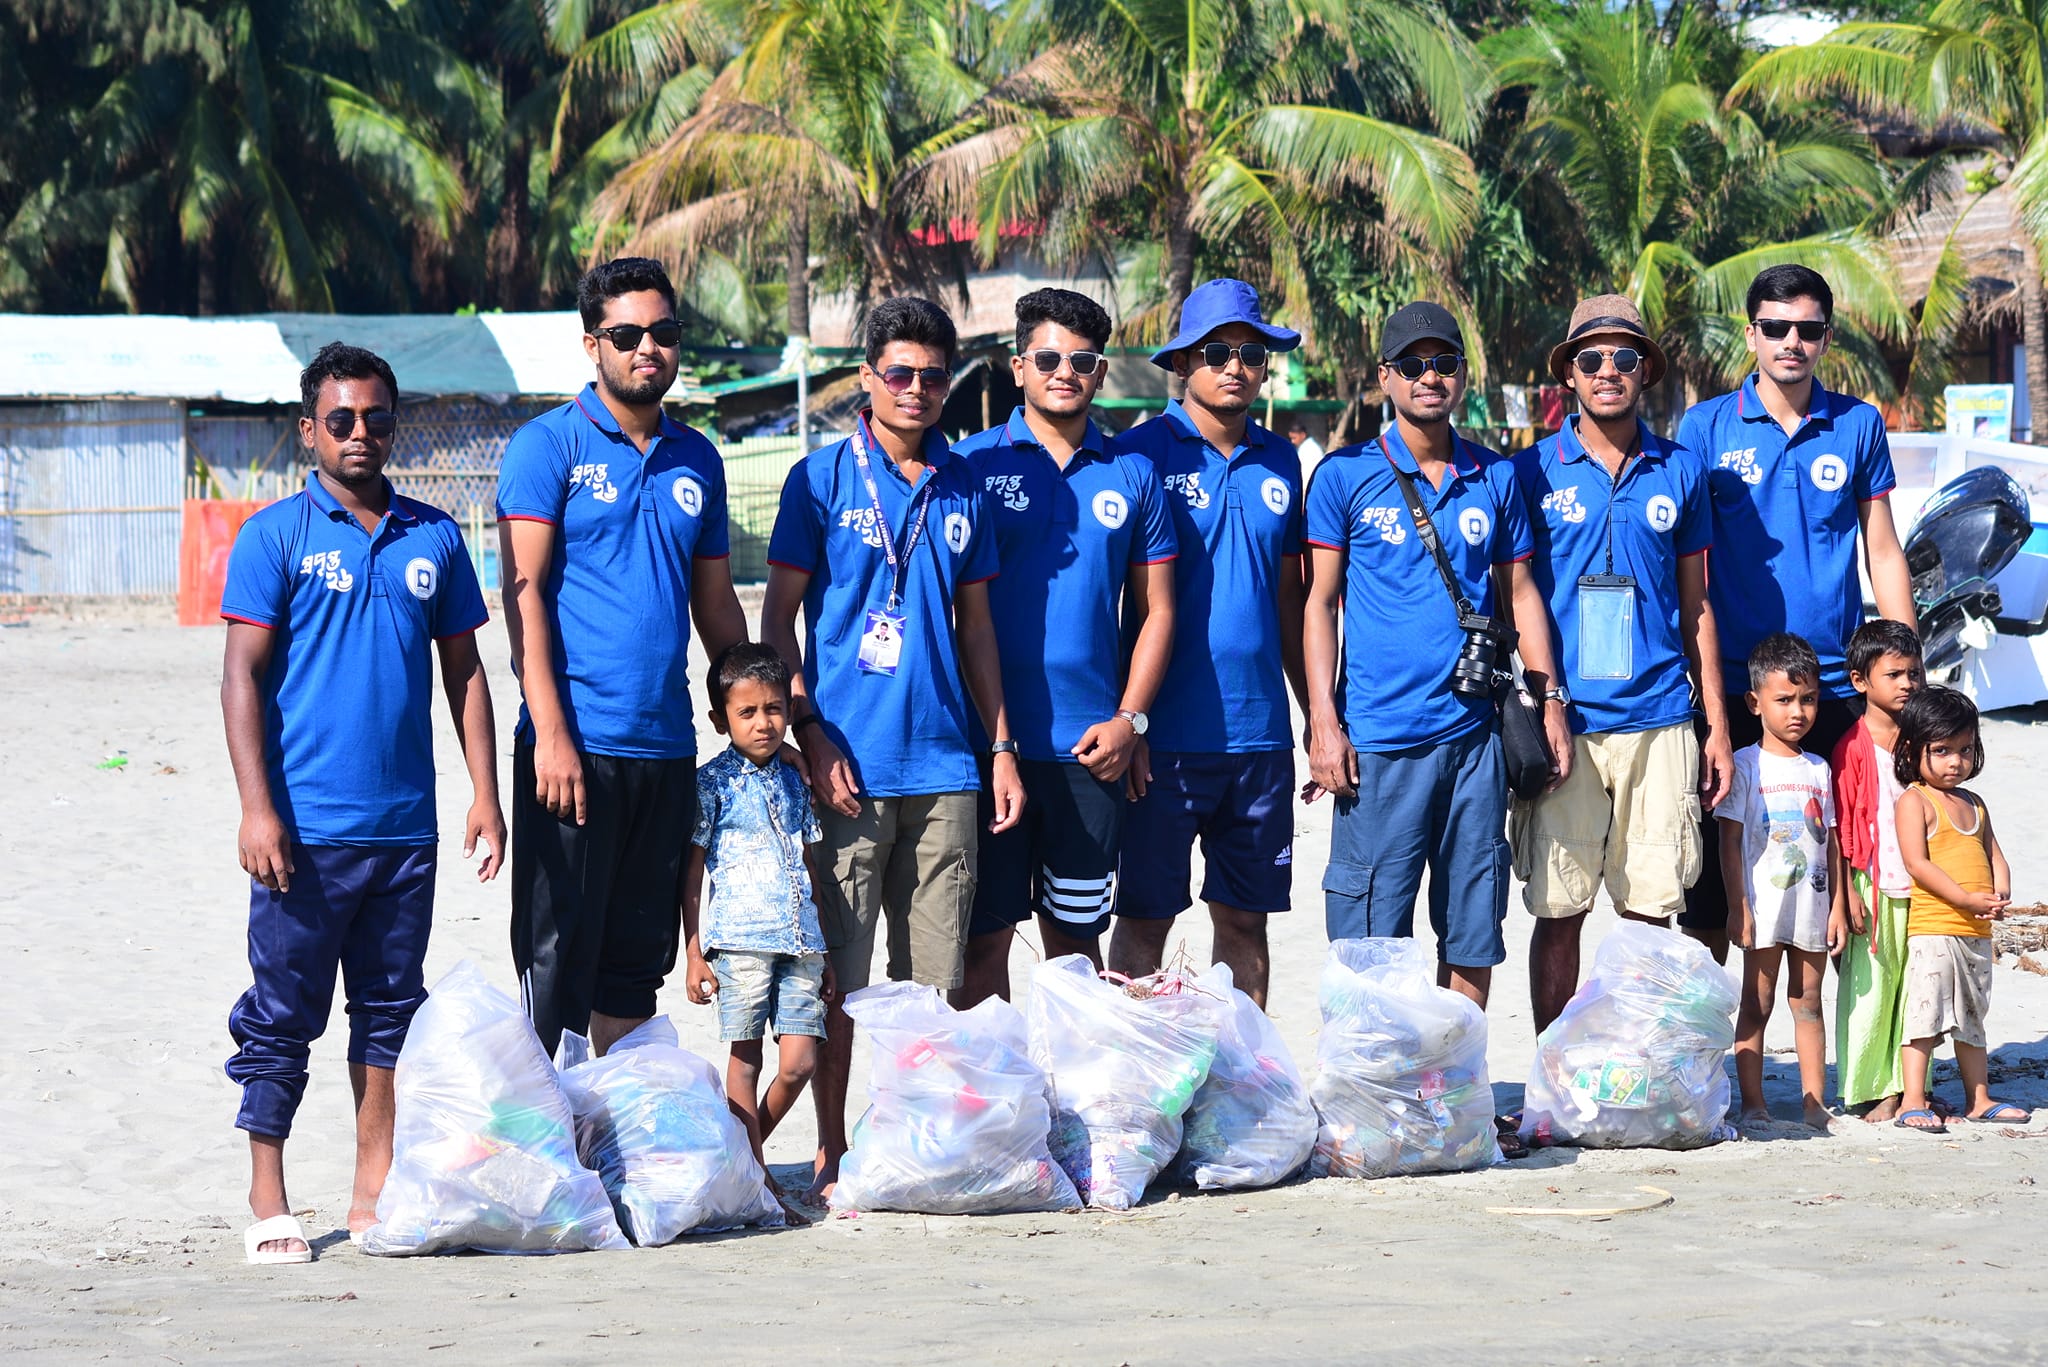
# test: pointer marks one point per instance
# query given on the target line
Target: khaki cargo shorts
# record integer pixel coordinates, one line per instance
(909, 861)
(1628, 816)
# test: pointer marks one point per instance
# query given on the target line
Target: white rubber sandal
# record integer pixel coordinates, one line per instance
(272, 1230)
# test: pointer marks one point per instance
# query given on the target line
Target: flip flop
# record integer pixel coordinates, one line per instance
(2002, 1113)
(1507, 1133)
(275, 1228)
(1905, 1120)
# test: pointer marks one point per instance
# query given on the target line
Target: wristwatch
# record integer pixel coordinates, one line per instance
(1561, 693)
(1003, 747)
(1138, 720)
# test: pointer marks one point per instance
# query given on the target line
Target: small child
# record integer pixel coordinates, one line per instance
(1782, 868)
(758, 946)
(1884, 665)
(1960, 886)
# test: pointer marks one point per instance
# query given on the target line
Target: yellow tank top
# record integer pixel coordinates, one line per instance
(1963, 856)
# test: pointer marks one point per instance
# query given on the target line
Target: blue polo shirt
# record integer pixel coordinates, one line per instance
(1234, 517)
(1655, 516)
(905, 733)
(1066, 539)
(628, 527)
(348, 734)
(1401, 633)
(1786, 522)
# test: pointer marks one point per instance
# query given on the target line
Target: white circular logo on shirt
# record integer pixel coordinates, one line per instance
(958, 530)
(1475, 524)
(1830, 472)
(689, 495)
(1110, 509)
(1276, 494)
(420, 578)
(1662, 512)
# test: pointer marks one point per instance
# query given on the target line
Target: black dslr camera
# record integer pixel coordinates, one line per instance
(1486, 641)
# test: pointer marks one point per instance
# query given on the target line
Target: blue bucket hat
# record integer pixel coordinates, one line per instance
(1218, 303)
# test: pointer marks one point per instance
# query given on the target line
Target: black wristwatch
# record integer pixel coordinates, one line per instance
(1004, 747)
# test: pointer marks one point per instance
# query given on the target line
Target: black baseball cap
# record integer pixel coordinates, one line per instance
(1420, 322)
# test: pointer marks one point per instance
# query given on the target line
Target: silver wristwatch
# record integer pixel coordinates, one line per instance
(1561, 693)
(1138, 720)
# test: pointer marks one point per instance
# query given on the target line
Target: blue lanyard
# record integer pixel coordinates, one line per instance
(899, 561)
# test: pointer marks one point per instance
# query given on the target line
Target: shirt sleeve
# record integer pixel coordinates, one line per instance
(798, 540)
(1328, 516)
(1735, 807)
(1291, 536)
(1513, 538)
(459, 606)
(1155, 542)
(1695, 435)
(533, 477)
(1874, 475)
(1824, 780)
(714, 535)
(707, 810)
(1695, 530)
(980, 561)
(801, 796)
(259, 582)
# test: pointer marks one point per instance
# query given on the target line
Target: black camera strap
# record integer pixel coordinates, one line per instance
(1426, 529)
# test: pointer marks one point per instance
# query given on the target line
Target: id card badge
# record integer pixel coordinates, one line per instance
(881, 645)
(1607, 626)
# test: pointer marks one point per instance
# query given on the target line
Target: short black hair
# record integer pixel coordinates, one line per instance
(340, 361)
(1931, 714)
(1077, 313)
(745, 660)
(622, 275)
(1877, 638)
(1782, 653)
(907, 318)
(1296, 424)
(1783, 284)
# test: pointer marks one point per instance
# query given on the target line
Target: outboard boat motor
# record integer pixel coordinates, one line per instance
(1969, 531)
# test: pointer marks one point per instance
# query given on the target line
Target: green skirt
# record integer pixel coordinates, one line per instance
(1870, 1002)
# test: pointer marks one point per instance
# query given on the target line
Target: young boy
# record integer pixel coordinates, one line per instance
(1782, 864)
(1884, 666)
(757, 946)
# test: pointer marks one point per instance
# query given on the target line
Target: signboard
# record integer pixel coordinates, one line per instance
(1979, 410)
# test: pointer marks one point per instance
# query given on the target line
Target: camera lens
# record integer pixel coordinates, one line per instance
(1472, 675)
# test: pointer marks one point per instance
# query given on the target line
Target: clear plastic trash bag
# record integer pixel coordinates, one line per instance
(957, 1113)
(652, 1121)
(1401, 1084)
(1125, 1063)
(1637, 1059)
(1251, 1123)
(484, 1154)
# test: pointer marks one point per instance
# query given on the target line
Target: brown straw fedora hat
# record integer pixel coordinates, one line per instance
(1607, 313)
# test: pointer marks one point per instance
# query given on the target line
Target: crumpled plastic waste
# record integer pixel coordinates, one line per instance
(1251, 1123)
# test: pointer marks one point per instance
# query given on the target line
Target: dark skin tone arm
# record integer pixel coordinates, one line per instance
(262, 844)
(831, 775)
(469, 705)
(1110, 749)
(1332, 762)
(528, 549)
(974, 634)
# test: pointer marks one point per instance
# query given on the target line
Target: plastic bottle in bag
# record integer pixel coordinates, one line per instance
(1251, 1123)
(1637, 1058)
(1125, 1063)
(484, 1155)
(1401, 1085)
(652, 1121)
(957, 1116)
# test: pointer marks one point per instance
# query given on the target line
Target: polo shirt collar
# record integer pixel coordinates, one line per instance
(1749, 405)
(591, 406)
(1183, 427)
(1017, 432)
(1462, 459)
(936, 450)
(330, 507)
(1571, 449)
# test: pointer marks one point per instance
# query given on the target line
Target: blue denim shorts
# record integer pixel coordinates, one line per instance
(757, 988)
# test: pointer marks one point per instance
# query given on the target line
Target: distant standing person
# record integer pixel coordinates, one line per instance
(336, 601)
(1080, 535)
(612, 520)
(1217, 762)
(1305, 446)
(1795, 474)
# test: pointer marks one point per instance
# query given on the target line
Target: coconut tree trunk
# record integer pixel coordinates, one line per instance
(508, 253)
(1180, 256)
(797, 268)
(2034, 322)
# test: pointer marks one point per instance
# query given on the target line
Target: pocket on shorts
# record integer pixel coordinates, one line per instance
(1352, 882)
(1691, 844)
(1521, 841)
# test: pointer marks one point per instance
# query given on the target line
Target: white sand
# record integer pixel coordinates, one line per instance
(121, 1201)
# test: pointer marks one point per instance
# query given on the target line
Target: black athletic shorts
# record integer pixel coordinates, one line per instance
(597, 909)
(1706, 902)
(1059, 860)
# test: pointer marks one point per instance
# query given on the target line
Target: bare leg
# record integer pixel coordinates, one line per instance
(796, 1061)
(985, 969)
(743, 1089)
(376, 1109)
(1802, 992)
(1759, 991)
(835, 1070)
(1137, 948)
(1241, 943)
(1060, 942)
(1554, 965)
(1716, 942)
(266, 1188)
(1471, 982)
(1916, 1061)
(605, 1031)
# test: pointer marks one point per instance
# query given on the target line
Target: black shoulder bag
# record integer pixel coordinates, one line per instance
(1523, 742)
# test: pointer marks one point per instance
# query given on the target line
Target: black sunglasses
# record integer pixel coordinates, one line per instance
(1626, 359)
(1412, 367)
(896, 379)
(1048, 361)
(626, 336)
(1776, 328)
(1216, 355)
(341, 423)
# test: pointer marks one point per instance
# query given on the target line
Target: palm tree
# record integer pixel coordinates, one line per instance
(1970, 74)
(1225, 133)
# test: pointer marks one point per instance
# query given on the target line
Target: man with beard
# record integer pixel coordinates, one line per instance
(1416, 764)
(1794, 473)
(1621, 528)
(612, 523)
(1221, 745)
(332, 599)
(1078, 532)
